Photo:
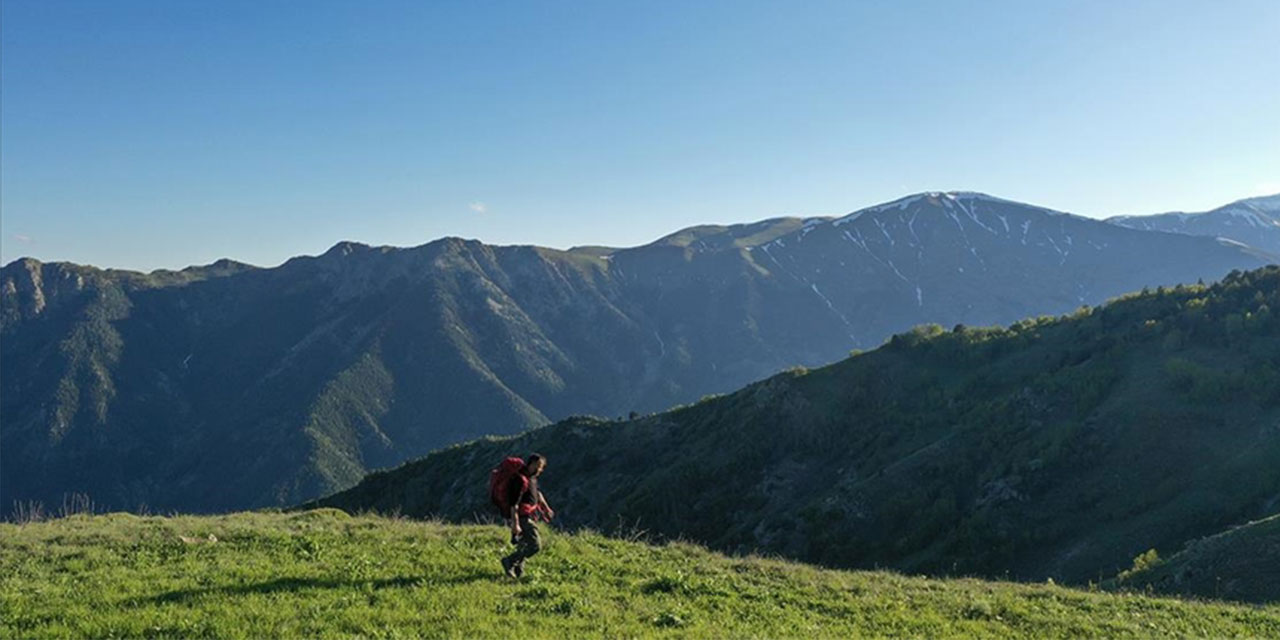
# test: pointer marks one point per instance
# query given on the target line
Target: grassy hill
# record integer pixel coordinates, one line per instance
(1242, 563)
(1055, 447)
(326, 574)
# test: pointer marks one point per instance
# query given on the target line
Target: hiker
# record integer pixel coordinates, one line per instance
(513, 488)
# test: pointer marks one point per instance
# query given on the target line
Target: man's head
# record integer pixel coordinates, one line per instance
(534, 464)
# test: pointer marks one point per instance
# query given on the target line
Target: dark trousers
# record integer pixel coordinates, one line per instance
(529, 543)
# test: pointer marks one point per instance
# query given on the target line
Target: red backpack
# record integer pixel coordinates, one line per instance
(500, 478)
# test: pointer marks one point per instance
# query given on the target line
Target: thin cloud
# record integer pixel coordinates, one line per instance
(25, 239)
(478, 207)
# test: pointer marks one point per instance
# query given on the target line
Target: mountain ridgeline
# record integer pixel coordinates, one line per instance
(230, 386)
(1054, 447)
(1253, 221)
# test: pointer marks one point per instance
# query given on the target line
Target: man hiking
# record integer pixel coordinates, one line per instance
(513, 487)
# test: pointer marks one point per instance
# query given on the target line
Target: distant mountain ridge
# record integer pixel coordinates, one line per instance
(230, 386)
(1252, 221)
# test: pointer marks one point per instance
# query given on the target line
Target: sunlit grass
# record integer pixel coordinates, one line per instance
(324, 573)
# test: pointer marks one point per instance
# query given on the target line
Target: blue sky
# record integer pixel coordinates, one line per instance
(162, 134)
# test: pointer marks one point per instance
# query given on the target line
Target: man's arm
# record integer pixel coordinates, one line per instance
(542, 502)
(515, 520)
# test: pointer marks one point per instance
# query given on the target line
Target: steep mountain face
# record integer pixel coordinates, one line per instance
(229, 386)
(1254, 222)
(274, 384)
(1056, 447)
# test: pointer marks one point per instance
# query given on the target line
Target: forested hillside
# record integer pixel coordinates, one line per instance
(1055, 447)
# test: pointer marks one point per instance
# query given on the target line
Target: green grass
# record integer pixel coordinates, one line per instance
(323, 573)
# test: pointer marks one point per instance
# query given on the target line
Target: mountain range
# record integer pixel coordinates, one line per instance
(230, 386)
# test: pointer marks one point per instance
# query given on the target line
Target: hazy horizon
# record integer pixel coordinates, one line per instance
(321, 250)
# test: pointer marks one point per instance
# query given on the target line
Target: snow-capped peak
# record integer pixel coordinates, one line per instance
(943, 198)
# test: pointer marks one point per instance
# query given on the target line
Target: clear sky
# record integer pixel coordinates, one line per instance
(162, 134)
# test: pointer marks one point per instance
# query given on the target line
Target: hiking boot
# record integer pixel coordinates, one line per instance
(510, 568)
(519, 569)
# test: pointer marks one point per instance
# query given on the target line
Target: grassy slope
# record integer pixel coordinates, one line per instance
(323, 573)
(1242, 563)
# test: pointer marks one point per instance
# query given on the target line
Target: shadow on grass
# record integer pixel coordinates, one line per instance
(287, 585)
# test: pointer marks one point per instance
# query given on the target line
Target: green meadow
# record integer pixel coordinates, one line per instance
(327, 574)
